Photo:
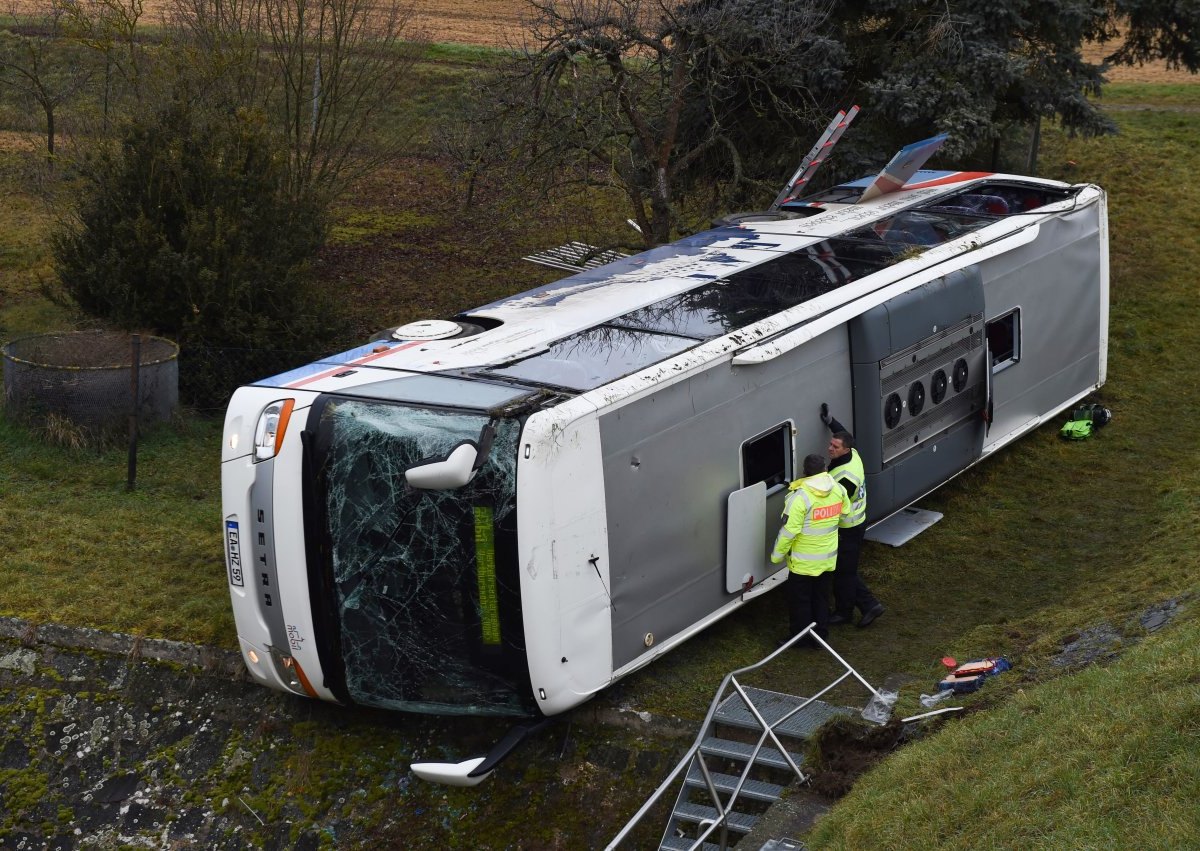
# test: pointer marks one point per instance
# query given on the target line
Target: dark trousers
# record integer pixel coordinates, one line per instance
(808, 601)
(849, 591)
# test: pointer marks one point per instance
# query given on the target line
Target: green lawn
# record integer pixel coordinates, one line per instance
(80, 549)
(1038, 543)
(1057, 537)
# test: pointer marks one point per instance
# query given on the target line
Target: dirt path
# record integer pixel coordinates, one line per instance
(1151, 72)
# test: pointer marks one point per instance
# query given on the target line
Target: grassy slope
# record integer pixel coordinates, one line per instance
(80, 549)
(1104, 759)
(1037, 543)
(1109, 757)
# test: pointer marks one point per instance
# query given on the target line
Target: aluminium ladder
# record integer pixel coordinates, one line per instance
(816, 157)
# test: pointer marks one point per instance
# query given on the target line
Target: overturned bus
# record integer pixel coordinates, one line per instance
(505, 512)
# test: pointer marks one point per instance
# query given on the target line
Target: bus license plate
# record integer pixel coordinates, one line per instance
(233, 545)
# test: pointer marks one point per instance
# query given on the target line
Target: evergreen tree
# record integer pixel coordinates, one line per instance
(186, 227)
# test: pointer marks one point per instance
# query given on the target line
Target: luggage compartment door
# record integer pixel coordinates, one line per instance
(746, 563)
(920, 392)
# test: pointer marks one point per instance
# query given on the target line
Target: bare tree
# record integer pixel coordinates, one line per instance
(643, 94)
(110, 28)
(476, 143)
(37, 62)
(325, 70)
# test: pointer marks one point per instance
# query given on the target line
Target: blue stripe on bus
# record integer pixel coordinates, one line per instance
(324, 363)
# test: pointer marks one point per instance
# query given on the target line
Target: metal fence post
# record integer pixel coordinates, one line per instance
(134, 407)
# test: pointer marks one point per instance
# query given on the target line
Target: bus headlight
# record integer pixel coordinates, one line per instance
(272, 423)
(291, 673)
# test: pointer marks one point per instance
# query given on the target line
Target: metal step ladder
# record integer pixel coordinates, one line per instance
(816, 157)
(756, 738)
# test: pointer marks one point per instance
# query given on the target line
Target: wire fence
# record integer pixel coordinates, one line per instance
(85, 377)
(94, 380)
(99, 389)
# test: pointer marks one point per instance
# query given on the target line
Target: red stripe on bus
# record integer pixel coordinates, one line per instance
(347, 364)
(957, 177)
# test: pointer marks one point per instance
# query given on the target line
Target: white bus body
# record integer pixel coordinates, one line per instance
(629, 432)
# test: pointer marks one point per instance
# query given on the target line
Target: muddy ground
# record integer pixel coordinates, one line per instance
(109, 741)
(112, 742)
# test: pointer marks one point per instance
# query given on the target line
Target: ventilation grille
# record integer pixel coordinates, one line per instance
(918, 395)
(954, 409)
(949, 353)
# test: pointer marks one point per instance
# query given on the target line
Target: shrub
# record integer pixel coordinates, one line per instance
(185, 226)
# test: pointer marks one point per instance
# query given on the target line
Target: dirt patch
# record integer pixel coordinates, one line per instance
(11, 140)
(488, 23)
(846, 749)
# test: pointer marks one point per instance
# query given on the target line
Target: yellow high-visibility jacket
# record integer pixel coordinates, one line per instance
(808, 538)
(852, 471)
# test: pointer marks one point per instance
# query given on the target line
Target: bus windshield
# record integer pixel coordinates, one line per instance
(420, 598)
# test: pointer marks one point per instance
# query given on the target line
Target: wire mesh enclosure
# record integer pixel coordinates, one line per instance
(90, 379)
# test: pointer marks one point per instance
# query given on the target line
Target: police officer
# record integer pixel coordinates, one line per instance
(809, 542)
(849, 590)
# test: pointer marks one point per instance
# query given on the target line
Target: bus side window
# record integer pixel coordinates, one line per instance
(1004, 339)
(768, 458)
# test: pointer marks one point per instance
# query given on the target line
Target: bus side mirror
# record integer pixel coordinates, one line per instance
(453, 471)
(451, 773)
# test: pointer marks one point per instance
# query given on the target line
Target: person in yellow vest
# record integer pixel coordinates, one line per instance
(809, 542)
(849, 590)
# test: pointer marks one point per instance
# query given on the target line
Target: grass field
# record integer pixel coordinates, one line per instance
(1039, 544)
(1057, 538)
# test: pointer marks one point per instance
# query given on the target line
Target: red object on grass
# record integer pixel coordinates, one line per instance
(949, 662)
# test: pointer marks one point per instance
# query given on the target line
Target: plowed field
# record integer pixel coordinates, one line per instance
(491, 23)
(498, 23)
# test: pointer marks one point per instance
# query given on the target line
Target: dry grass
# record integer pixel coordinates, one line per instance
(1151, 72)
(57, 430)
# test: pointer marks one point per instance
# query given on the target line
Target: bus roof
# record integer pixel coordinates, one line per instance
(595, 326)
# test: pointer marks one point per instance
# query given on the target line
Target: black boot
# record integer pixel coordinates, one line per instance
(870, 614)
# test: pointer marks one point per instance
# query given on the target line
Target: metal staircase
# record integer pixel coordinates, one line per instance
(750, 748)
